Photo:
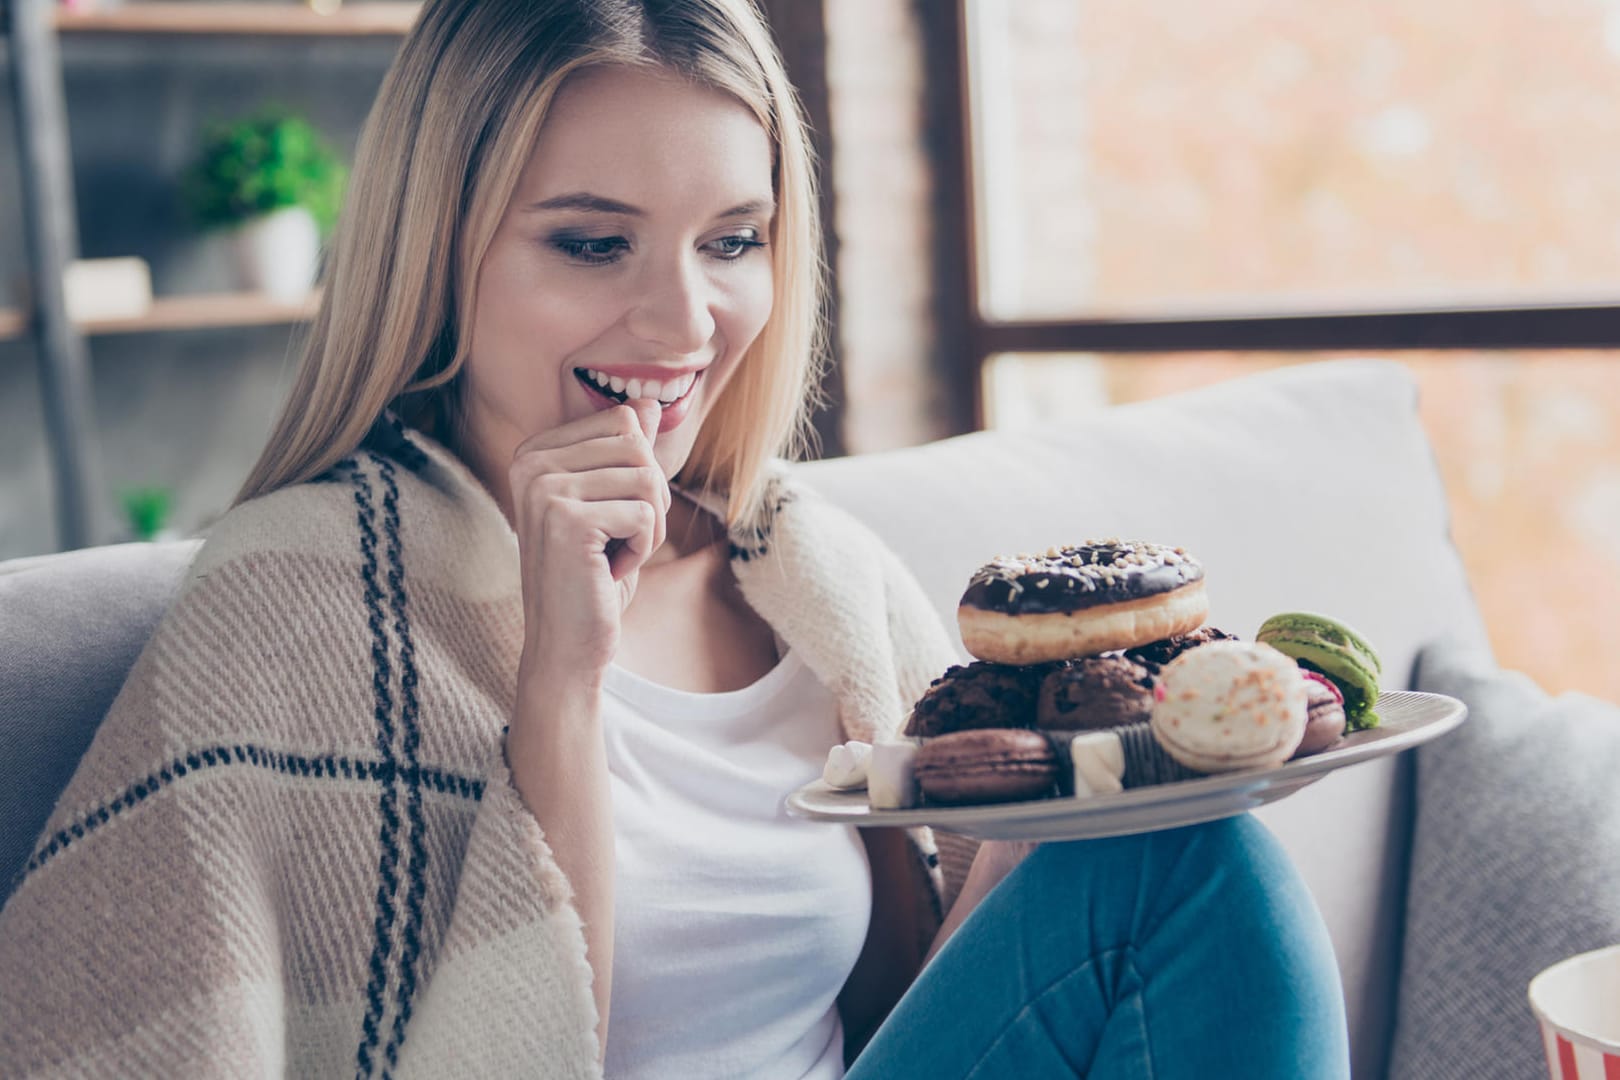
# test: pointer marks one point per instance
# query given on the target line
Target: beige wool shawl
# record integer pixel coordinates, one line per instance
(294, 847)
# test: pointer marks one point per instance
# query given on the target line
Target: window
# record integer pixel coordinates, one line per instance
(1278, 157)
(1157, 196)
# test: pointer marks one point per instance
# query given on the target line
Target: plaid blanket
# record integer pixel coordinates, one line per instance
(294, 846)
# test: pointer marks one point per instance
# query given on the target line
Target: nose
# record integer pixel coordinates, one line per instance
(673, 308)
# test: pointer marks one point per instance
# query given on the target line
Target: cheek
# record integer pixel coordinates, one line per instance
(527, 322)
(526, 297)
(512, 380)
(756, 300)
(745, 315)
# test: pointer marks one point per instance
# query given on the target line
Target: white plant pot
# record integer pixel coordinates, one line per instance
(277, 254)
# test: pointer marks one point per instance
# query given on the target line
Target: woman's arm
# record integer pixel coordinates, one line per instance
(558, 762)
(894, 952)
(588, 502)
(895, 939)
(995, 860)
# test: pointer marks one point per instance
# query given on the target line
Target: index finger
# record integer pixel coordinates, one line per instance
(619, 420)
(648, 414)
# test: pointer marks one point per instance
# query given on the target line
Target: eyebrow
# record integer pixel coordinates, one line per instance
(584, 200)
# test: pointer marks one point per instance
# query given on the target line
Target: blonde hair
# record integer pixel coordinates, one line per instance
(438, 161)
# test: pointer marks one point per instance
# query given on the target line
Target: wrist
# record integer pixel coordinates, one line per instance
(552, 712)
(545, 679)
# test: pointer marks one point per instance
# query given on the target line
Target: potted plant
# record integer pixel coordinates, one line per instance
(146, 513)
(276, 184)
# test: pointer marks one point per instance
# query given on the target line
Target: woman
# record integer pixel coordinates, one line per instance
(462, 750)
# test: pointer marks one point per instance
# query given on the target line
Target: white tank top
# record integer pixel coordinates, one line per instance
(735, 926)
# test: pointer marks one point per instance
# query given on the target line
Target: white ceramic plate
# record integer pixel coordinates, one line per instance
(1407, 719)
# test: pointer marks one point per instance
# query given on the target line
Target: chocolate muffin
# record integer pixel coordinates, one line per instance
(977, 695)
(1094, 693)
(1156, 654)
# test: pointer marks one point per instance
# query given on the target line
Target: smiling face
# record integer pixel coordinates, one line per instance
(631, 261)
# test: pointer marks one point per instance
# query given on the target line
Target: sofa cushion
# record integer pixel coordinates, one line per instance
(1308, 487)
(1515, 866)
(71, 627)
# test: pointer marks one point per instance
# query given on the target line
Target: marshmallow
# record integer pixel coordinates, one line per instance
(890, 784)
(1099, 764)
(846, 765)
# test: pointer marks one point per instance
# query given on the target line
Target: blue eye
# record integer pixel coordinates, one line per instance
(736, 246)
(596, 251)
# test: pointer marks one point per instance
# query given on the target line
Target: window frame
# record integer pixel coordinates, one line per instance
(972, 337)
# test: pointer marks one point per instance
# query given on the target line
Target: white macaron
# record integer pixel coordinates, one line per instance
(1230, 705)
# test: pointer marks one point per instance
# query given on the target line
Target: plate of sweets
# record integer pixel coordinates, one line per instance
(1099, 703)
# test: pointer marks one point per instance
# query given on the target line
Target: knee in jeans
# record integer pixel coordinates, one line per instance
(1225, 842)
(1240, 839)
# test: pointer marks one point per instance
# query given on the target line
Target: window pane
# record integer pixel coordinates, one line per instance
(1528, 445)
(1272, 154)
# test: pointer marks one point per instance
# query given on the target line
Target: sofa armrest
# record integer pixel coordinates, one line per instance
(71, 627)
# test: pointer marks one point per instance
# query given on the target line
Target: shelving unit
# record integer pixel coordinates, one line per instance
(50, 218)
(371, 18)
(198, 311)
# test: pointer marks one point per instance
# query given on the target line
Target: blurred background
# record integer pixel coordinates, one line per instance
(1035, 209)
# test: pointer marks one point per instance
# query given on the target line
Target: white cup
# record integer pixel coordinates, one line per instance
(1578, 1003)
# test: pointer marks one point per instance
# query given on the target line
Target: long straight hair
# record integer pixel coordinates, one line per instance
(439, 159)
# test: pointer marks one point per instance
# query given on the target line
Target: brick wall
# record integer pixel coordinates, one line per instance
(884, 189)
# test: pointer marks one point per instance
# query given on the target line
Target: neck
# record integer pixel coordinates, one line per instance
(689, 530)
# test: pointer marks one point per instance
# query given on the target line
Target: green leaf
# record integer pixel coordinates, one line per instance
(147, 510)
(259, 163)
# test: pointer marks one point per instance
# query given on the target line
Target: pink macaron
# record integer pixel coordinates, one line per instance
(1324, 715)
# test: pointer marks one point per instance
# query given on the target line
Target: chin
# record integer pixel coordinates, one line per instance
(672, 461)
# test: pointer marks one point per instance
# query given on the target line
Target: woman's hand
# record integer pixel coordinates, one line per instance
(589, 502)
(588, 505)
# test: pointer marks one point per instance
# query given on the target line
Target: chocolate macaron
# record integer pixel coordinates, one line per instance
(987, 765)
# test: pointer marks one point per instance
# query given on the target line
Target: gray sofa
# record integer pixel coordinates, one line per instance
(1310, 488)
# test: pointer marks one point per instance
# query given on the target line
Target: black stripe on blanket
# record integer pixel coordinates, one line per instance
(753, 541)
(388, 837)
(410, 743)
(318, 767)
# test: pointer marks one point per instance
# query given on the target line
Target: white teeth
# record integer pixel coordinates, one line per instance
(666, 393)
(677, 388)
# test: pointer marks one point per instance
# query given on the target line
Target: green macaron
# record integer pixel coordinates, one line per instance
(1330, 648)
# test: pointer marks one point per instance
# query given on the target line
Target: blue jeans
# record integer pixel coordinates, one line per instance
(1193, 953)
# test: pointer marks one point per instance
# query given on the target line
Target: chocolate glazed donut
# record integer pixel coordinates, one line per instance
(1097, 597)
